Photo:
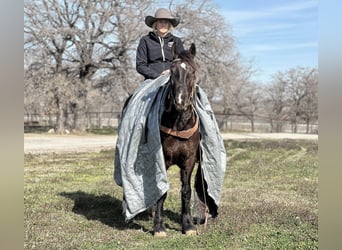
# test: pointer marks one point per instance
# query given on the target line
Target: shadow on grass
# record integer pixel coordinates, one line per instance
(108, 210)
(103, 208)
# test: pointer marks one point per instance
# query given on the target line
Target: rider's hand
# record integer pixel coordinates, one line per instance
(165, 72)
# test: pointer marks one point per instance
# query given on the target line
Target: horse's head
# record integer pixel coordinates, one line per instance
(183, 78)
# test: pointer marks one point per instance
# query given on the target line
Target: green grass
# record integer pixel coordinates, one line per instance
(269, 201)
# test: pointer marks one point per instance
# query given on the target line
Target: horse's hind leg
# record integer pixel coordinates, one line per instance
(187, 225)
(158, 220)
(203, 202)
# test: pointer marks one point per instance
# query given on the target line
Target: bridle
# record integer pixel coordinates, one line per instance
(185, 134)
(192, 97)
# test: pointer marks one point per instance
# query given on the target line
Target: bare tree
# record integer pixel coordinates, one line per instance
(298, 80)
(309, 104)
(275, 103)
(246, 100)
(42, 34)
(81, 40)
(294, 93)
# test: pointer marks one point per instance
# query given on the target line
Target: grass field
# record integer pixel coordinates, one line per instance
(269, 201)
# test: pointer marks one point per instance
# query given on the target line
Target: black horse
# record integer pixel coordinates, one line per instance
(180, 139)
(180, 136)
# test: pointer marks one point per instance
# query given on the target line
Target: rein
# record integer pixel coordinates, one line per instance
(184, 134)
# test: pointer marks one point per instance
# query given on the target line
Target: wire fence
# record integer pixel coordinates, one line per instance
(231, 122)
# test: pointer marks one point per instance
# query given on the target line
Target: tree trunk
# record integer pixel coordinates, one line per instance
(279, 127)
(61, 119)
(307, 126)
(252, 123)
(294, 127)
(80, 117)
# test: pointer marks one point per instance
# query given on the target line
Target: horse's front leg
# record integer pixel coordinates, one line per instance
(187, 225)
(158, 220)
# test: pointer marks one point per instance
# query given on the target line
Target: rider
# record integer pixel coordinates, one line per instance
(154, 55)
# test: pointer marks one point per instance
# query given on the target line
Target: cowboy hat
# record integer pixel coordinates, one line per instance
(161, 14)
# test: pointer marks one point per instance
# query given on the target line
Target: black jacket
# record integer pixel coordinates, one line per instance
(153, 57)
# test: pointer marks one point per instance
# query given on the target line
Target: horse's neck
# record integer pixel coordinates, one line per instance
(183, 120)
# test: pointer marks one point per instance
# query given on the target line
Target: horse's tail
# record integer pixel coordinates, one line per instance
(204, 206)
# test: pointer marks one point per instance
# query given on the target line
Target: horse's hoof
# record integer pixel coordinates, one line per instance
(191, 232)
(160, 234)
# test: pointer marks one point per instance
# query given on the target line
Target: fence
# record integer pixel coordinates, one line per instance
(94, 120)
(100, 120)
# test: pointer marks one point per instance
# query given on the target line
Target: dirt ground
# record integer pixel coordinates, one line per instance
(38, 143)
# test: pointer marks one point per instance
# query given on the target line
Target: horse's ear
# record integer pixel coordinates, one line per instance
(174, 51)
(192, 49)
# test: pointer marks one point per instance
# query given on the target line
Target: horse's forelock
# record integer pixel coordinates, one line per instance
(188, 58)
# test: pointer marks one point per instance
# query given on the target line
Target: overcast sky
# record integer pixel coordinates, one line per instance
(275, 34)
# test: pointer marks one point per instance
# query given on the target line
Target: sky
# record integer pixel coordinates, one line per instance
(275, 35)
